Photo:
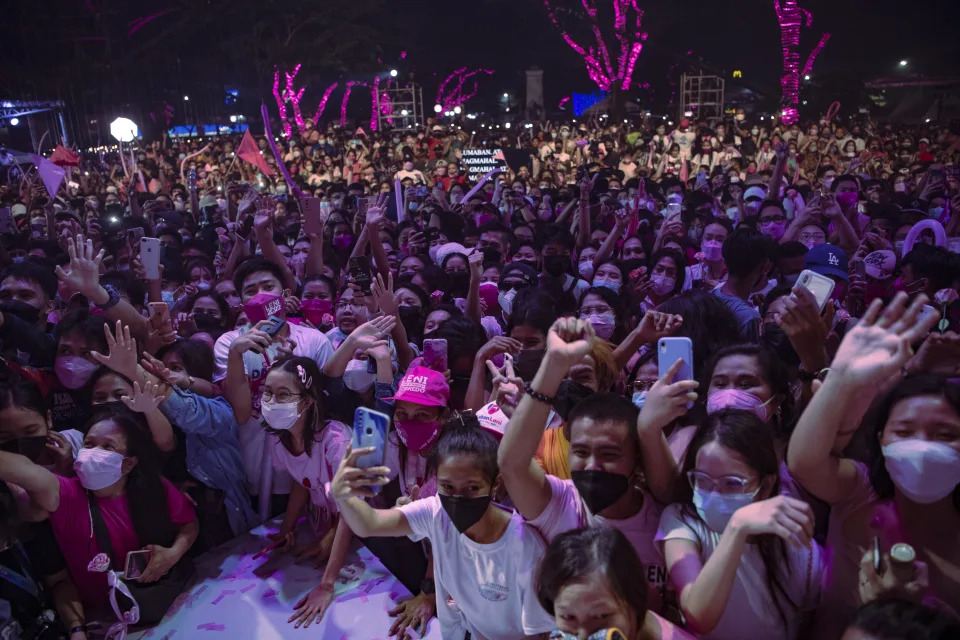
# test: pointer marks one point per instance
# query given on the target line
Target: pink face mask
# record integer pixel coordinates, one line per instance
(737, 399)
(262, 306)
(417, 436)
(847, 199)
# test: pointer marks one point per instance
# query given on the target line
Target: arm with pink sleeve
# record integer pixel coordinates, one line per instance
(563, 513)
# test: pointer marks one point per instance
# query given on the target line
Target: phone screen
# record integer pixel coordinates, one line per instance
(360, 271)
(137, 562)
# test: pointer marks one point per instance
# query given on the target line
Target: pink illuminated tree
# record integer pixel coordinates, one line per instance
(792, 19)
(614, 42)
(289, 94)
(452, 91)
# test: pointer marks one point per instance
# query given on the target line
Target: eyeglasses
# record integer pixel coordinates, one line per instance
(773, 219)
(599, 310)
(507, 286)
(724, 485)
(642, 385)
(353, 304)
(813, 237)
(281, 397)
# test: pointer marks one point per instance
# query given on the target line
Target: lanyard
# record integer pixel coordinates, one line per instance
(24, 582)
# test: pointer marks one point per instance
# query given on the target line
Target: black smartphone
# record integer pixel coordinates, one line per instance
(359, 267)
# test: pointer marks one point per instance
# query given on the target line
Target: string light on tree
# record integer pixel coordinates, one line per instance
(791, 19)
(606, 70)
(449, 96)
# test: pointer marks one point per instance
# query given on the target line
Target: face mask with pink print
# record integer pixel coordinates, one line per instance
(738, 399)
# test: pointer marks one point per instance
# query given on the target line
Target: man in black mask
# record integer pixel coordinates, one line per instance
(555, 275)
(614, 451)
(27, 290)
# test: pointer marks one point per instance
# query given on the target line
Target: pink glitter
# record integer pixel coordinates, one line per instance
(597, 57)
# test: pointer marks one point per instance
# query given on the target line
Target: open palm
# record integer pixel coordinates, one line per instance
(83, 272)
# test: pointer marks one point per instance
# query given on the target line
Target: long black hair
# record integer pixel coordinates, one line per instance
(879, 413)
(145, 491)
(463, 435)
(315, 419)
(745, 434)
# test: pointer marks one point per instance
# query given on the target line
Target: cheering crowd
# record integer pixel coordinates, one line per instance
(679, 380)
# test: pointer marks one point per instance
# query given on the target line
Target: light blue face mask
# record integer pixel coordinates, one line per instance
(716, 509)
(935, 212)
(613, 286)
(639, 398)
(167, 296)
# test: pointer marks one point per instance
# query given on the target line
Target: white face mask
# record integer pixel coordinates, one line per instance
(662, 285)
(281, 416)
(505, 300)
(925, 472)
(356, 376)
(98, 468)
(716, 509)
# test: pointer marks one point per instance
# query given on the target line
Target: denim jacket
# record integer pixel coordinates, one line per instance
(213, 451)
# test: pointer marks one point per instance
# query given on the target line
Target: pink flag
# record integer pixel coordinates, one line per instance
(64, 157)
(51, 174)
(248, 151)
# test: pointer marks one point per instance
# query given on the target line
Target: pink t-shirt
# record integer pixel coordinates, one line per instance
(316, 471)
(72, 527)
(566, 511)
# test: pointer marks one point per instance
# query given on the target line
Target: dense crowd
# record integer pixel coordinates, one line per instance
(680, 380)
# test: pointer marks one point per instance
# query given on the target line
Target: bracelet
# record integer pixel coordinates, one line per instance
(536, 395)
(113, 298)
(81, 628)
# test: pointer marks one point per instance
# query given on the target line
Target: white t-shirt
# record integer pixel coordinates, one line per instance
(491, 584)
(566, 510)
(750, 612)
(309, 343)
(315, 471)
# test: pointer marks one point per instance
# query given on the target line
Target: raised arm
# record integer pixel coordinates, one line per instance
(40, 485)
(236, 385)
(567, 343)
(475, 259)
(367, 336)
(263, 228)
(350, 486)
(870, 353)
(653, 326)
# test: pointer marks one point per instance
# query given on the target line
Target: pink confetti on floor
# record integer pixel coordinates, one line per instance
(223, 594)
(212, 626)
(248, 587)
(269, 593)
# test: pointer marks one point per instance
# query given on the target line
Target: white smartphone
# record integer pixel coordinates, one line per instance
(820, 286)
(150, 257)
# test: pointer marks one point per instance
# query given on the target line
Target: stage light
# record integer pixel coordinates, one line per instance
(124, 130)
(506, 95)
(457, 110)
(437, 108)
(806, 77)
(687, 114)
(507, 125)
(903, 63)
(670, 123)
(404, 112)
(14, 121)
(393, 73)
(186, 98)
(233, 118)
(7, 105)
(927, 120)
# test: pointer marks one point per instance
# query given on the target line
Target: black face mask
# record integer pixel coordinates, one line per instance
(464, 512)
(532, 263)
(492, 255)
(569, 394)
(412, 319)
(459, 283)
(599, 489)
(776, 339)
(206, 322)
(632, 265)
(526, 363)
(22, 310)
(556, 266)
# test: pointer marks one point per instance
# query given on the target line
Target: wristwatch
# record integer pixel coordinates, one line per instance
(112, 300)
(428, 586)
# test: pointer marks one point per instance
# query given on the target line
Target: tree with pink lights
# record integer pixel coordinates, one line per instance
(792, 18)
(611, 38)
(451, 95)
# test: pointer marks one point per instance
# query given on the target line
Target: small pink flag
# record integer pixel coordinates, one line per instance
(248, 151)
(51, 174)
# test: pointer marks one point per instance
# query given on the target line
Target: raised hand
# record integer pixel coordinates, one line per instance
(568, 340)
(497, 345)
(667, 400)
(144, 400)
(372, 333)
(122, 356)
(656, 324)
(83, 272)
(804, 326)
(881, 342)
(475, 260)
(351, 481)
(783, 516)
(939, 354)
(384, 296)
(156, 368)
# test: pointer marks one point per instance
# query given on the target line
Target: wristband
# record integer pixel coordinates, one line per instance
(536, 395)
(112, 300)
(80, 628)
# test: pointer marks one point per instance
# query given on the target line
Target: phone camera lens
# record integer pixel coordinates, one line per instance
(369, 431)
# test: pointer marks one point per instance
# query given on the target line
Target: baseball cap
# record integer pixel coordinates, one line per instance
(446, 249)
(880, 264)
(827, 260)
(18, 209)
(758, 193)
(520, 269)
(423, 386)
(492, 418)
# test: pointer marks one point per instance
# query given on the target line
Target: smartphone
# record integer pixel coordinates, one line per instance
(246, 227)
(159, 315)
(421, 192)
(673, 209)
(820, 286)
(431, 233)
(134, 235)
(6, 221)
(435, 354)
(137, 562)
(860, 269)
(274, 325)
(359, 267)
(150, 257)
(313, 216)
(669, 350)
(370, 429)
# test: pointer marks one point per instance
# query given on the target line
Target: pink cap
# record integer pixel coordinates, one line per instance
(423, 386)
